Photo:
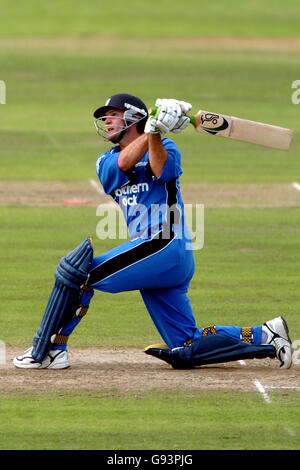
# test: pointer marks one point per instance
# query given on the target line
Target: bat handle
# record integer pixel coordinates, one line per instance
(154, 111)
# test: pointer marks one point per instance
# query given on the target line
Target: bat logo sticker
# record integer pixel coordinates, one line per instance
(213, 123)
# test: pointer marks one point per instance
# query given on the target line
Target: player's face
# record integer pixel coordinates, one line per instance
(114, 123)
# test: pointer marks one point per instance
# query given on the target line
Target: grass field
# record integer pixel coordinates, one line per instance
(238, 276)
(166, 18)
(237, 58)
(48, 130)
(104, 419)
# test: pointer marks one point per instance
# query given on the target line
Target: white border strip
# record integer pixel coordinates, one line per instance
(262, 391)
(96, 185)
(296, 186)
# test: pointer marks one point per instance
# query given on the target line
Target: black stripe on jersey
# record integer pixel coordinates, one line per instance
(123, 260)
(173, 215)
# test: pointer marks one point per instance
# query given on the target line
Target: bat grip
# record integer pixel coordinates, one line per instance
(153, 112)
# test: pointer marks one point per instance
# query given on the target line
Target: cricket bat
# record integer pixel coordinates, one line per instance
(243, 130)
(231, 127)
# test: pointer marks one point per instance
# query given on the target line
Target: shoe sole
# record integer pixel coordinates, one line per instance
(288, 358)
(63, 365)
(287, 337)
(55, 364)
(27, 366)
(286, 328)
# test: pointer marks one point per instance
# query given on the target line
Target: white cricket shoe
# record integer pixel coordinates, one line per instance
(278, 335)
(55, 359)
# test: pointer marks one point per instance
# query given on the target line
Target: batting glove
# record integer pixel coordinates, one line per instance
(184, 120)
(185, 106)
(181, 125)
(168, 114)
(177, 109)
(150, 127)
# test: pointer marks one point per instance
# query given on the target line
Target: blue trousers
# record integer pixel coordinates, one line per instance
(161, 270)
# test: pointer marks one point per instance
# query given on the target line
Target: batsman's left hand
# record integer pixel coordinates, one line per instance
(151, 126)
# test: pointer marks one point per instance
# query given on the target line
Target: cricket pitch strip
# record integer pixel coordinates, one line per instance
(129, 370)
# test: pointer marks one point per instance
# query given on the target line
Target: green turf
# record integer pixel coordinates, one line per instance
(149, 420)
(248, 269)
(246, 273)
(47, 129)
(164, 18)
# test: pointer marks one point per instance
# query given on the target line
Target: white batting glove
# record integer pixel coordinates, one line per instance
(184, 120)
(150, 127)
(171, 106)
(185, 106)
(181, 125)
(168, 114)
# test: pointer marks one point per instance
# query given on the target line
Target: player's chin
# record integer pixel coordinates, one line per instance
(113, 138)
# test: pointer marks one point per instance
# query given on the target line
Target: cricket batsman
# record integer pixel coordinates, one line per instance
(141, 172)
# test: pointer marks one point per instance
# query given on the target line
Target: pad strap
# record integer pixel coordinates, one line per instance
(61, 338)
(209, 329)
(246, 334)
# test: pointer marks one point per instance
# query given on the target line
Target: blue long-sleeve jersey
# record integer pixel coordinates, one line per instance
(149, 204)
